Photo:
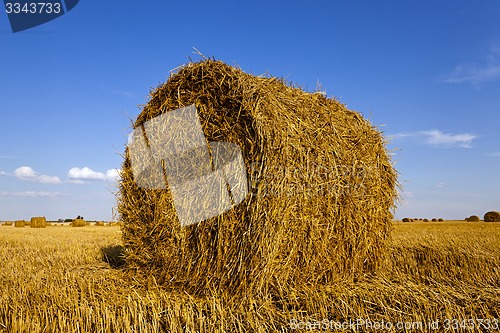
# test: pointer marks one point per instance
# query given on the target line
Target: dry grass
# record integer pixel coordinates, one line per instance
(433, 271)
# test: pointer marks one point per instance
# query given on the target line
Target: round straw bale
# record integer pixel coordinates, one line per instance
(38, 222)
(426, 220)
(78, 223)
(434, 220)
(474, 218)
(320, 180)
(405, 219)
(20, 224)
(440, 220)
(99, 224)
(492, 217)
(7, 223)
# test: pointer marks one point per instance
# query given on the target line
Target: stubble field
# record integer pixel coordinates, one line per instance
(436, 277)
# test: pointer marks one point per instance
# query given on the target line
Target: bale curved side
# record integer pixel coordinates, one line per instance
(78, 223)
(20, 224)
(38, 222)
(321, 183)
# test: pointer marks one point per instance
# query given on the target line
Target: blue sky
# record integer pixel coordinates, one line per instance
(427, 73)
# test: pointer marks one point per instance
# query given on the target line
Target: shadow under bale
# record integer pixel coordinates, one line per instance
(113, 255)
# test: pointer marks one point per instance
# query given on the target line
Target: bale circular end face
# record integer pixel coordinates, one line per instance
(492, 217)
(320, 183)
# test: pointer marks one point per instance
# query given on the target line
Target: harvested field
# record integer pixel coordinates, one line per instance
(432, 271)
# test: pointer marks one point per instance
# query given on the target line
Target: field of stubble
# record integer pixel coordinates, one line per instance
(437, 277)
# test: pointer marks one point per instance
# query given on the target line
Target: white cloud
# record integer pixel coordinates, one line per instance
(27, 173)
(399, 135)
(32, 194)
(3, 173)
(440, 185)
(438, 138)
(476, 73)
(79, 175)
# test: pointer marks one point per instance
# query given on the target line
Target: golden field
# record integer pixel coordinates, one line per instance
(436, 277)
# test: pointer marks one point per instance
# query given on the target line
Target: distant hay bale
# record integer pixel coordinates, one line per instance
(474, 218)
(434, 220)
(492, 217)
(440, 220)
(78, 223)
(320, 180)
(7, 223)
(99, 224)
(38, 222)
(20, 224)
(426, 220)
(406, 219)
